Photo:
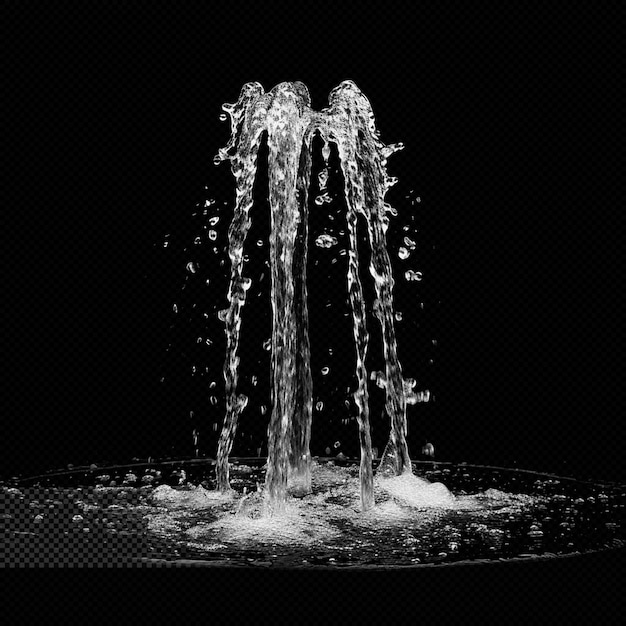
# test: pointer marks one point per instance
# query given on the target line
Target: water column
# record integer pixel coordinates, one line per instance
(292, 400)
(247, 129)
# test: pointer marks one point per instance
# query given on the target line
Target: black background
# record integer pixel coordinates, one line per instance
(510, 121)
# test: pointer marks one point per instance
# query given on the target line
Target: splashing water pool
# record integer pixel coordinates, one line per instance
(172, 513)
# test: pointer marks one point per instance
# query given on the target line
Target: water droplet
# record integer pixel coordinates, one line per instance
(214, 427)
(212, 235)
(323, 198)
(325, 371)
(326, 241)
(213, 400)
(267, 344)
(175, 308)
(411, 276)
(166, 243)
(322, 177)
(197, 241)
(428, 450)
(214, 220)
(192, 267)
(403, 253)
(263, 409)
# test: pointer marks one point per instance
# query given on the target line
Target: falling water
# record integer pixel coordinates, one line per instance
(285, 116)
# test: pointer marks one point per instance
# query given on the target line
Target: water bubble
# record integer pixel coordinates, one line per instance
(246, 283)
(214, 427)
(175, 308)
(325, 371)
(267, 344)
(409, 243)
(199, 340)
(197, 241)
(412, 276)
(213, 385)
(77, 519)
(319, 406)
(217, 159)
(259, 243)
(213, 400)
(192, 267)
(403, 253)
(337, 445)
(166, 243)
(398, 316)
(254, 380)
(263, 409)
(223, 117)
(214, 220)
(210, 202)
(212, 235)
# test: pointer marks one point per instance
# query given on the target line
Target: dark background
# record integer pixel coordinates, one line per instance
(510, 121)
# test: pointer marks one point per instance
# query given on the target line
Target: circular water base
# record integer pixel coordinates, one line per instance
(168, 514)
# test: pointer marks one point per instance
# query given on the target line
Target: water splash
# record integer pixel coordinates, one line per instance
(285, 117)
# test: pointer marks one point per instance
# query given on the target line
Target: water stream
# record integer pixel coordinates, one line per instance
(284, 116)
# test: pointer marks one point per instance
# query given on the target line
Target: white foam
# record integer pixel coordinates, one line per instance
(417, 492)
(195, 498)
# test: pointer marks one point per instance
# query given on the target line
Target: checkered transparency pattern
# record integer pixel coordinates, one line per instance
(58, 528)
